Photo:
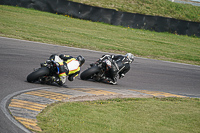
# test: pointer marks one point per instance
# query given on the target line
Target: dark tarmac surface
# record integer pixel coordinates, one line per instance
(25, 100)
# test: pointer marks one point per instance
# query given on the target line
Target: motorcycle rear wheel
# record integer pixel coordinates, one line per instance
(89, 72)
(32, 77)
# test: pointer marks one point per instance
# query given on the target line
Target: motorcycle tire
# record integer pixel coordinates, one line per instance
(89, 72)
(32, 77)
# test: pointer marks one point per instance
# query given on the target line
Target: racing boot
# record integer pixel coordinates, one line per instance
(111, 81)
(114, 81)
(61, 80)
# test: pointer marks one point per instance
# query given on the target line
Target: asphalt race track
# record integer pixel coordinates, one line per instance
(18, 58)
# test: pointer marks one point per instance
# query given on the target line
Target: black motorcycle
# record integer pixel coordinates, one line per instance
(98, 72)
(46, 74)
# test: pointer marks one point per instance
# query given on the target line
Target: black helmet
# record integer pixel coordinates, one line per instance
(52, 57)
(81, 60)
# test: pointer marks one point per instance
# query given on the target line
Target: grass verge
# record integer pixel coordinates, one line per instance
(132, 115)
(28, 24)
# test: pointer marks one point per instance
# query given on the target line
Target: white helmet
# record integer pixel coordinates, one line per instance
(130, 57)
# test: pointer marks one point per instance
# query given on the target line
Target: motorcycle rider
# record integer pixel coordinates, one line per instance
(68, 66)
(116, 64)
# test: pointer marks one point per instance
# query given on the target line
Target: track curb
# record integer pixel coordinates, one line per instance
(22, 107)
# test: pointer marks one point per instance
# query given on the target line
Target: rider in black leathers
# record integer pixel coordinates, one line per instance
(119, 64)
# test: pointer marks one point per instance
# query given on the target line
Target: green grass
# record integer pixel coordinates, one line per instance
(163, 8)
(133, 115)
(28, 24)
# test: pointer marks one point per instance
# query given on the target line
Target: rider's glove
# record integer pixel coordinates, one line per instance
(45, 63)
(48, 61)
(57, 64)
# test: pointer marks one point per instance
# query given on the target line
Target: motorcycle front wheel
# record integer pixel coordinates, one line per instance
(89, 72)
(32, 77)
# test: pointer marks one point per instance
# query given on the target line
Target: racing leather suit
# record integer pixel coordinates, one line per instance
(119, 65)
(68, 66)
(71, 67)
